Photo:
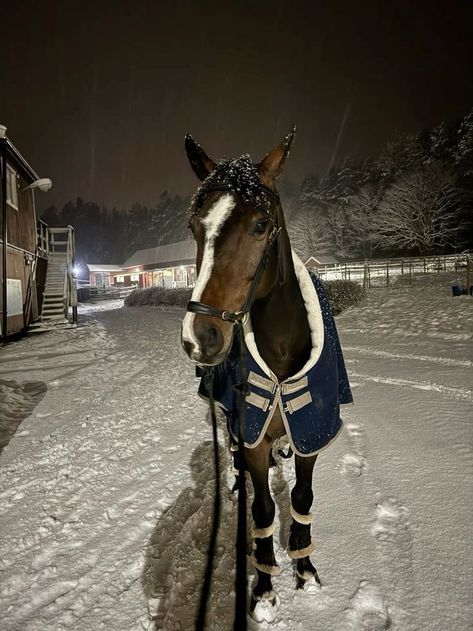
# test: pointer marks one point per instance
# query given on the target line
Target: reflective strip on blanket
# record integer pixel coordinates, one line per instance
(295, 386)
(261, 382)
(299, 402)
(259, 402)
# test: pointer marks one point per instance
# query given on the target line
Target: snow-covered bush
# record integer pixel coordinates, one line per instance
(343, 294)
(154, 296)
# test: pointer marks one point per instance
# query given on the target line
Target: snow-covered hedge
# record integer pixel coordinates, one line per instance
(154, 296)
(342, 294)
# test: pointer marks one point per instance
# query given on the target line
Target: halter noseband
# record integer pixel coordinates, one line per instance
(237, 316)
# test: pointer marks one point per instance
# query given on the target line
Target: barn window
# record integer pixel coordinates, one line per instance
(12, 189)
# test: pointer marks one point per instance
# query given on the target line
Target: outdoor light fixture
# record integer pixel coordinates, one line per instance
(44, 184)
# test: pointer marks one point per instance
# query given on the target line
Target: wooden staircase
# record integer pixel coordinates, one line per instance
(60, 290)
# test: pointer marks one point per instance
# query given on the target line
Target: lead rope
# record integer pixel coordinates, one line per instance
(204, 595)
(241, 581)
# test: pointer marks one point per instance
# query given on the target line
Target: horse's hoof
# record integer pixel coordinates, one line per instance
(264, 609)
(308, 581)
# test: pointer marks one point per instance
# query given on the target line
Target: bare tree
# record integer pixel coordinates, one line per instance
(361, 229)
(420, 211)
(338, 220)
(309, 233)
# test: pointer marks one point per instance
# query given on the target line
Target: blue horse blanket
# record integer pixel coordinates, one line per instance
(309, 402)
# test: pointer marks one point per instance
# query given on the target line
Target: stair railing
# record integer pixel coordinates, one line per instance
(69, 288)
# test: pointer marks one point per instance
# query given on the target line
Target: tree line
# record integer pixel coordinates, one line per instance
(415, 198)
(106, 235)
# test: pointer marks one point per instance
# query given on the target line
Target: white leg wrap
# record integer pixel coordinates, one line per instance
(300, 554)
(301, 519)
(273, 570)
(262, 533)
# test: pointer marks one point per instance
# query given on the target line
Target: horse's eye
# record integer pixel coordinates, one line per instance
(260, 227)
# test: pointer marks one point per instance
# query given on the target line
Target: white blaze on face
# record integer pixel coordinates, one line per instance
(213, 223)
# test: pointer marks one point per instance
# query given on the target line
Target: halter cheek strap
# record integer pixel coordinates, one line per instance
(237, 316)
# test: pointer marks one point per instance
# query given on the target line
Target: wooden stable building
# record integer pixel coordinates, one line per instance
(103, 276)
(171, 265)
(35, 260)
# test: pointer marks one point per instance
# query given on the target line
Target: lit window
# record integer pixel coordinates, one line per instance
(12, 190)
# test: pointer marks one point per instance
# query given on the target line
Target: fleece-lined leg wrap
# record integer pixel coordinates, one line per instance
(272, 570)
(303, 552)
(262, 533)
(263, 558)
(300, 542)
(301, 519)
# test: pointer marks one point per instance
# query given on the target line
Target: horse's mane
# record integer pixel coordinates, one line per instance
(238, 175)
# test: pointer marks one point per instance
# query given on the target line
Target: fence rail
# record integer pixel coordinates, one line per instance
(381, 272)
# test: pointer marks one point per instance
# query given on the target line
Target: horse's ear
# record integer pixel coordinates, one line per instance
(271, 166)
(199, 160)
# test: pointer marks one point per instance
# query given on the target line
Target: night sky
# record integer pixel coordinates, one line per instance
(98, 95)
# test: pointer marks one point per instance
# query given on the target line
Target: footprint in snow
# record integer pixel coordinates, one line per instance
(353, 465)
(353, 430)
(390, 521)
(367, 610)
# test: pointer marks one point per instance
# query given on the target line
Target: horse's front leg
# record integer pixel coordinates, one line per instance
(263, 598)
(300, 541)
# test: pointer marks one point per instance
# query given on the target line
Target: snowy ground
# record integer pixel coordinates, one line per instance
(105, 496)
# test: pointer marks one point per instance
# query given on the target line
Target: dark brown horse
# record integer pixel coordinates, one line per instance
(234, 214)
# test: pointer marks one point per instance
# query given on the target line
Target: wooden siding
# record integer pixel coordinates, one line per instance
(18, 269)
(22, 222)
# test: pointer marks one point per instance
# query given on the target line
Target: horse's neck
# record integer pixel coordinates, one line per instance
(281, 328)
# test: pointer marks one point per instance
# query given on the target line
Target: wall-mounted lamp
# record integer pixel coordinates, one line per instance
(44, 184)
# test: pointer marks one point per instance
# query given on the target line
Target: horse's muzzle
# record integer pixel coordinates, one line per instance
(207, 347)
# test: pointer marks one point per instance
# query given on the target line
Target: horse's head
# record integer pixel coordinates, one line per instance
(233, 217)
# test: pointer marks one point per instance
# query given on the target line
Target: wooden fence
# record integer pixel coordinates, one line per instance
(377, 273)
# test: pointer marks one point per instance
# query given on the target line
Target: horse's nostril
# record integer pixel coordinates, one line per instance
(188, 347)
(210, 340)
(213, 338)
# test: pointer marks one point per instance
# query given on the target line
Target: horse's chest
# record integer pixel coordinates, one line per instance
(276, 428)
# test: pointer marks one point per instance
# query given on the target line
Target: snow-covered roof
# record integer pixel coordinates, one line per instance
(103, 268)
(322, 259)
(164, 255)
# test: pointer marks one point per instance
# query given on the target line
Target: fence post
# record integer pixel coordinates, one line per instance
(345, 270)
(402, 267)
(444, 263)
(365, 276)
(425, 266)
(369, 276)
(438, 265)
(410, 273)
(387, 273)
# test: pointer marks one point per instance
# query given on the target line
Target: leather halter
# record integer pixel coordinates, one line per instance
(237, 316)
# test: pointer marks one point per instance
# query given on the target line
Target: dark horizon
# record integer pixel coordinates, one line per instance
(100, 98)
